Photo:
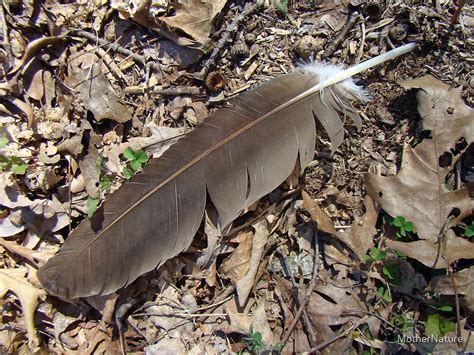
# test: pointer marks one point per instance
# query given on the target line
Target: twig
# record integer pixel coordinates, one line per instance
(296, 296)
(342, 35)
(226, 38)
(362, 44)
(456, 14)
(172, 91)
(309, 290)
(115, 48)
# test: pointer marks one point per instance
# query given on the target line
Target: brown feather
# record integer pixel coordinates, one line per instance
(237, 155)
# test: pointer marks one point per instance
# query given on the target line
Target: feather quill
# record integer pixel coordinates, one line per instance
(235, 156)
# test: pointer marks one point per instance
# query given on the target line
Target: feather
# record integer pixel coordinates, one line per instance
(235, 156)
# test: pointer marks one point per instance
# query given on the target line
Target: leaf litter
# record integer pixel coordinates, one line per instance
(68, 116)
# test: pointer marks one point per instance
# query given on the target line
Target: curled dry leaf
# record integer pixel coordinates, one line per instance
(15, 280)
(418, 192)
(245, 284)
(33, 48)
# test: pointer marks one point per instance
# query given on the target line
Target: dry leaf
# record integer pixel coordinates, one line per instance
(194, 18)
(237, 265)
(245, 284)
(360, 237)
(464, 280)
(33, 48)
(97, 94)
(418, 192)
(15, 280)
(37, 258)
(317, 214)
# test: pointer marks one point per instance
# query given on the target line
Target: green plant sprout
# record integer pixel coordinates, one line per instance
(282, 7)
(14, 164)
(384, 293)
(253, 341)
(375, 254)
(135, 161)
(390, 272)
(403, 225)
(469, 231)
(402, 322)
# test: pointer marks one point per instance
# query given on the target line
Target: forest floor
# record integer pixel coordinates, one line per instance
(370, 250)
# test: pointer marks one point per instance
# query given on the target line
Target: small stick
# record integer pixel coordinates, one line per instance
(456, 14)
(226, 38)
(342, 35)
(172, 91)
(115, 47)
(309, 328)
(309, 291)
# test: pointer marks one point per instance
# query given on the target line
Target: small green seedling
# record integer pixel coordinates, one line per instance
(384, 293)
(403, 225)
(438, 326)
(253, 341)
(14, 164)
(106, 182)
(402, 322)
(282, 7)
(135, 161)
(469, 231)
(375, 254)
(390, 272)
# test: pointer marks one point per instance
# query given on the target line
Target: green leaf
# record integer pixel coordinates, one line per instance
(92, 204)
(377, 254)
(367, 259)
(3, 141)
(408, 226)
(19, 167)
(257, 337)
(106, 182)
(129, 153)
(469, 232)
(135, 165)
(399, 221)
(438, 326)
(127, 173)
(141, 156)
(446, 308)
(387, 272)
